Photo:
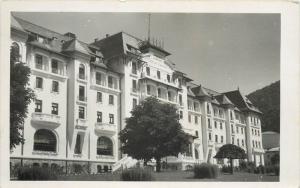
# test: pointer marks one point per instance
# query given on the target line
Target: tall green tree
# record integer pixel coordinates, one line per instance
(153, 131)
(20, 96)
(230, 152)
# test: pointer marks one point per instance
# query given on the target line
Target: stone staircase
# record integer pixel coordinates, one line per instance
(124, 163)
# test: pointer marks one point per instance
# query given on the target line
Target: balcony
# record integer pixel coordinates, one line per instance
(81, 124)
(47, 120)
(170, 84)
(105, 128)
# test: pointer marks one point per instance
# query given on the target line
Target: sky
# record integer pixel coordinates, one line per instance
(220, 51)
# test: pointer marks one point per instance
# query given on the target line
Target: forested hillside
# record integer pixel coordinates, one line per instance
(267, 100)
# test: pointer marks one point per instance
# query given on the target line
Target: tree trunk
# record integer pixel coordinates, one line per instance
(158, 164)
(231, 165)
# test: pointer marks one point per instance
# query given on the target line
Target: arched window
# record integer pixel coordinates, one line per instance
(15, 51)
(44, 140)
(104, 146)
(81, 72)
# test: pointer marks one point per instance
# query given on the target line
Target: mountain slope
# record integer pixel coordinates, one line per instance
(267, 100)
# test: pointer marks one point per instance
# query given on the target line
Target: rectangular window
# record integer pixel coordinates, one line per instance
(134, 103)
(180, 114)
(242, 142)
(111, 118)
(158, 92)
(242, 130)
(216, 138)
(38, 106)
(54, 66)
(252, 143)
(99, 117)
(232, 130)
(78, 144)
(39, 82)
(208, 109)
(55, 86)
(209, 136)
(148, 90)
(221, 126)
(237, 129)
(222, 139)
(196, 119)
(216, 126)
(169, 96)
(158, 74)
(232, 140)
(148, 71)
(196, 106)
(54, 108)
(168, 78)
(99, 97)
(81, 93)
(180, 99)
(209, 125)
(258, 133)
(38, 61)
(238, 142)
(134, 86)
(190, 118)
(110, 82)
(81, 113)
(134, 68)
(98, 78)
(111, 99)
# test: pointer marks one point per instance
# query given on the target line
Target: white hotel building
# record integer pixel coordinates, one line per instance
(85, 91)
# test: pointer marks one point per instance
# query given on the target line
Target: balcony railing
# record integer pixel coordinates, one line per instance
(81, 124)
(105, 128)
(44, 119)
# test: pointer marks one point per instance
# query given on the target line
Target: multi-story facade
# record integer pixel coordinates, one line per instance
(84, 92)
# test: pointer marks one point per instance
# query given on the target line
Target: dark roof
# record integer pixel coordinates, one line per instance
(200, 91)
(223, 100)
(58, 42)
(240, 101)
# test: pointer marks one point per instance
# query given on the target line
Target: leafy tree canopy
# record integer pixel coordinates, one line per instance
(153, 131)
(230, 151)
(20, 96)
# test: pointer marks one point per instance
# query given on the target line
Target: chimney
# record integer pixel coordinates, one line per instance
(71, 35)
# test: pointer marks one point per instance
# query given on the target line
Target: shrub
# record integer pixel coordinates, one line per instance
(136, 174)
(78, 169)
(205, 170)
(226, 169)
(277, 170)
(36, 173)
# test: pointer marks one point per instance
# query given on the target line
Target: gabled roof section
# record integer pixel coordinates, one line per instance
(224, 100)
(33, 28)
(15, 24)
(117, 44)
(214, 101)
(200, 92)
(75, 45)
(240, 101)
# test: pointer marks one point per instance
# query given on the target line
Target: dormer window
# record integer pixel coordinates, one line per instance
(54, 66)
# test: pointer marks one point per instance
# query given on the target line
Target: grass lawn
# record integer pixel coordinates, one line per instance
(179, 176)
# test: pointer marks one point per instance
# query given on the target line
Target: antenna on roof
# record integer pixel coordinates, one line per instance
(149, 19)
(238, 88)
